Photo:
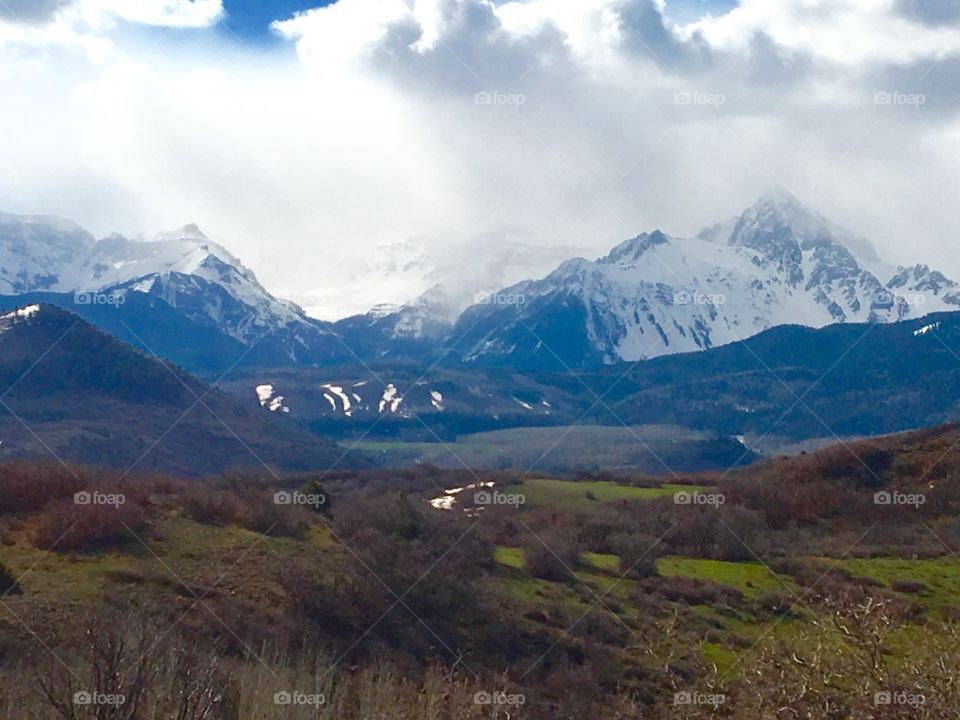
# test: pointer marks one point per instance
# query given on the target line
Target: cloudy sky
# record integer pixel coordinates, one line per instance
(332, 145)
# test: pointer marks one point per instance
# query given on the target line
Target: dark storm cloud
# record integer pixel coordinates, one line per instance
(31, 11)
(931, 12)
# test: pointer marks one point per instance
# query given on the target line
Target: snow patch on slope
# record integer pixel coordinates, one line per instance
(344, 398)
(925, 329)
(267, 399)
(390, 399)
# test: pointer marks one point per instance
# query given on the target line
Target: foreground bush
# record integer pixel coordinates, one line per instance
(27, 487)
(67, 525)
(550, 556)
(211, 507)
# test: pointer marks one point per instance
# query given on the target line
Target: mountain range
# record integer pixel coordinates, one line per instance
(186, 298)
(205, 294)
(783, 386)
(733, 325)
(778, 263)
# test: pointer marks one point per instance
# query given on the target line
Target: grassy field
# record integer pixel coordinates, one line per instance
(568, 493)
(751, 579)
(937, 579)
(601, 586)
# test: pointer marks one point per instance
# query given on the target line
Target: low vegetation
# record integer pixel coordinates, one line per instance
(565, 449)
(790, 585)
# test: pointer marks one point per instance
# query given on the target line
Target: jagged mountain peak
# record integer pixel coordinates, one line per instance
(778, 213)
(778, 194)
(778, 209)
(191, 230)
(920, 278)
(45, 224)
(634, 248)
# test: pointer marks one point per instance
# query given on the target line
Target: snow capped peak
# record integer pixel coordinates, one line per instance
(571, 267)
(383, 310)
(46, 224)
(778, 262)
(40, 252)
(117, 259)
(779, 196)
(634, 248)
(192, 232)
(183, 268)
(920, 278)
(781, 213)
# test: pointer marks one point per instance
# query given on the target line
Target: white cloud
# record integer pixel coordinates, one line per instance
(306, 165)
(163, 13)
(102, 14)
(343, 31)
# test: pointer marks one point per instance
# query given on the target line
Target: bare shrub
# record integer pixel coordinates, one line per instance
(68, 526)
(28, 487)
(211, 507)
(549, 556)
(638, 553)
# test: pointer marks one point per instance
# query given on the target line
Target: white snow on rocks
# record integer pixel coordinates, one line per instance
(265, 394)
(391, 398)
(344, 398)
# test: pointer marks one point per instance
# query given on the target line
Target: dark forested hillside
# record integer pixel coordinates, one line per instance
(73, 392)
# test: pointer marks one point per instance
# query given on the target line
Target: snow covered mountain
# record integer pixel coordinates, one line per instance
(189, 271)
(186, 298)
(40, 253)
(197, 278)
(777, 263)
(411, 330)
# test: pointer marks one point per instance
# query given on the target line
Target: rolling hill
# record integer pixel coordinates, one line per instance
(71, 392)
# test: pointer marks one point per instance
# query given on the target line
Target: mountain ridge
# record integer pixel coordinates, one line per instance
(777, 262)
